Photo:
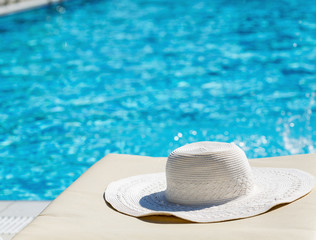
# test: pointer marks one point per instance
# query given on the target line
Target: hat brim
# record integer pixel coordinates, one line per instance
(143, 195)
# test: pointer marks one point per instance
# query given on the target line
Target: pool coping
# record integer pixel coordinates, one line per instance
(24, 5)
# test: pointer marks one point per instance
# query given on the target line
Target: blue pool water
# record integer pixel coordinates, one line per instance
(82, 79)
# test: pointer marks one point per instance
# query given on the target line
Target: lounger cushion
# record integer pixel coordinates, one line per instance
(80, 212)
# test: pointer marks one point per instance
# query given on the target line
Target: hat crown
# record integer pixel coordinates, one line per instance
(207, 173)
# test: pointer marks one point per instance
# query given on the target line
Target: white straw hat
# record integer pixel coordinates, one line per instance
(208, 182)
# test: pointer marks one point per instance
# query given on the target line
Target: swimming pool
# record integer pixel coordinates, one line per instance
(83, 79)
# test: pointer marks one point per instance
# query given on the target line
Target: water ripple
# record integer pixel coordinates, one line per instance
(83, 79)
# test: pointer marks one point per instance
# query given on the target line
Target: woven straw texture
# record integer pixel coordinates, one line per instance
(208, 182)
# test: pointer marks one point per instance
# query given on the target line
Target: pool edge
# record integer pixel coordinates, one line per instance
(12, 8)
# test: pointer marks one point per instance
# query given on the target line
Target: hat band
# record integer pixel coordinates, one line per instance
(214, 192)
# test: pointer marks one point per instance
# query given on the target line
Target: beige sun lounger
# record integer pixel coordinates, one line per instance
(80, 212)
